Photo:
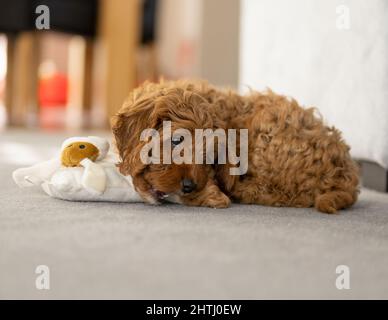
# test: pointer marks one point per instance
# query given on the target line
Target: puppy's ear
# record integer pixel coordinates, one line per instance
(136, 115)
(127, 127)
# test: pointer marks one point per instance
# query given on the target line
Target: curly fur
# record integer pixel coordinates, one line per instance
(294, 158)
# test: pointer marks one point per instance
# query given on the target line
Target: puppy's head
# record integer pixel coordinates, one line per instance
(153, 109)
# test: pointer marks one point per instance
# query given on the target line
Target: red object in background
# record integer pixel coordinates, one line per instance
(53, 90)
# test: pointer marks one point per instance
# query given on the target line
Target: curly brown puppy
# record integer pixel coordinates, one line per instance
(293, 158)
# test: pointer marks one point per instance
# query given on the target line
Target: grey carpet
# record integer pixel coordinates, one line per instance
(135, 251)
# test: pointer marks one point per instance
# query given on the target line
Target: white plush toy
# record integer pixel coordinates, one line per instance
(83, 171)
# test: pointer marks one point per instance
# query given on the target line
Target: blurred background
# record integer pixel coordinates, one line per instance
(77, 73)
(330, 54)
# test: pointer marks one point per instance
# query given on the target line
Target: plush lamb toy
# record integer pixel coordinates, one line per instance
(83, 171)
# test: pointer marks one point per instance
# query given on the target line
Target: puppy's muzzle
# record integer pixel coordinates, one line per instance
(188, 186)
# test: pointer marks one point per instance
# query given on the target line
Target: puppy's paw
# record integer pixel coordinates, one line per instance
(150, 199)
(331, 202)
(220, 201)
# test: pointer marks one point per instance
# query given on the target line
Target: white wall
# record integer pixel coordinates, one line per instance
(302, 48)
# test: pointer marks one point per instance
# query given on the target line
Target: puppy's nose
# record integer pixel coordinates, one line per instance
(188, 185)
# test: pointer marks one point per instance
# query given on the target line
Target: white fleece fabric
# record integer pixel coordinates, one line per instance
(307, 50)
(92, 181)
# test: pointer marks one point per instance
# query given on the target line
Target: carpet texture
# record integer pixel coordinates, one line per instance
(136, 251)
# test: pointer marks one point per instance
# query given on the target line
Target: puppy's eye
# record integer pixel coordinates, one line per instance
(82, 146)
(176, 140)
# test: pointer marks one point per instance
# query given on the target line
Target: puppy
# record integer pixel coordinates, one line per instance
(294, 159)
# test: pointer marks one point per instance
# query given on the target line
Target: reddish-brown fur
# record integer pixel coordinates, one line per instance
(294, 159)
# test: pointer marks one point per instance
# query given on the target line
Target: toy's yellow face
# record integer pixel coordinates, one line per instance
(75, 152)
